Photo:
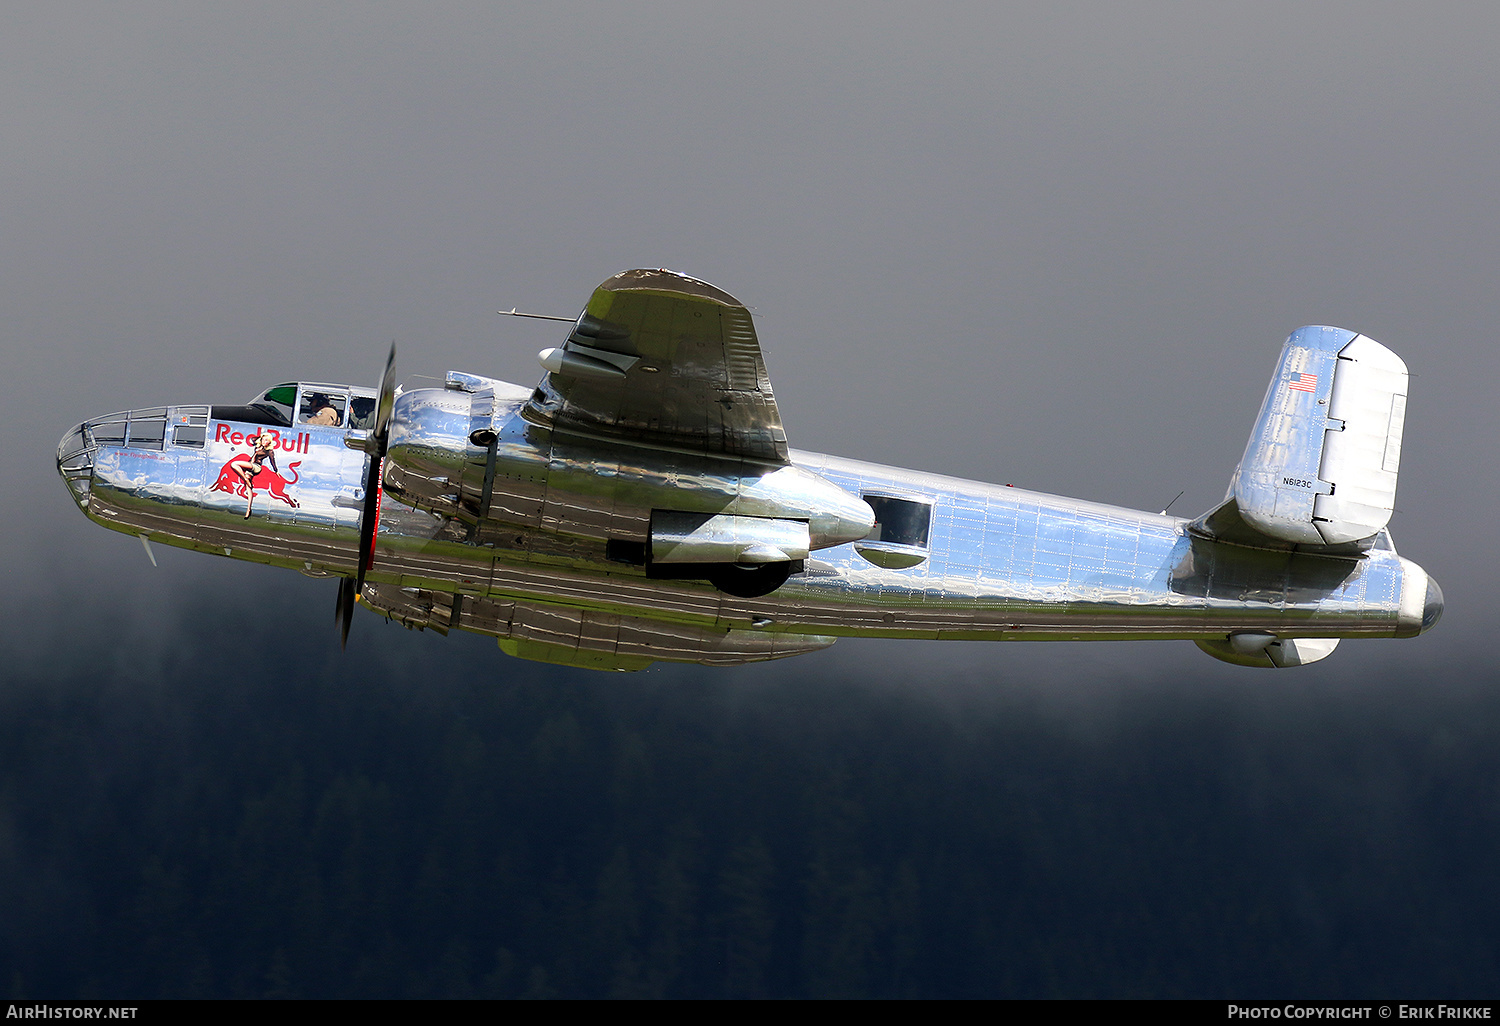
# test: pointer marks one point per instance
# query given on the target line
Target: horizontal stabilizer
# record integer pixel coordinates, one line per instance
(1320, 467)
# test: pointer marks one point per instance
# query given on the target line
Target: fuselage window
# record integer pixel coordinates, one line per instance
(189, 425)
(899, 521)
(189, 434)
(147, 434)
(322, 409)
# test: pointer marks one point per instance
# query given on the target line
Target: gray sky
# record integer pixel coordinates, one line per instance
(1057, 246)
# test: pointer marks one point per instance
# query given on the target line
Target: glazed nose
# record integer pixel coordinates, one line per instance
(1432, 606)
(75, 462)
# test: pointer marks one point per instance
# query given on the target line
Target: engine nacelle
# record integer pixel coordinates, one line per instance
(1252, 649)
(467, 452)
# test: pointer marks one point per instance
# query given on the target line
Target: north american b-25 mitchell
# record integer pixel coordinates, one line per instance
(641, 504)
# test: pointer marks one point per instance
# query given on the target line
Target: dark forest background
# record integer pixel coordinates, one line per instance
(226, 815)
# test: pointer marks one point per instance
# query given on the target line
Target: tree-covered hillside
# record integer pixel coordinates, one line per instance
(439, 820)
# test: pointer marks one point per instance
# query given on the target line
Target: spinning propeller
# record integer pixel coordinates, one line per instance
(369, 516)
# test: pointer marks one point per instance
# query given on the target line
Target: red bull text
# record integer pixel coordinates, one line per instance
(301, 443)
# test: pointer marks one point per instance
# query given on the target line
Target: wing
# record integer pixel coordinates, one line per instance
(664, 359)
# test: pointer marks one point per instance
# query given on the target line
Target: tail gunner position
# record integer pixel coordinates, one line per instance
(641, 504)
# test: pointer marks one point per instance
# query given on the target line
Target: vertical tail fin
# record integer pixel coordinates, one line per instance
(1321, 464)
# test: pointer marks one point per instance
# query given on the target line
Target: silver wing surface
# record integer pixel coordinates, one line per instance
(666, 360)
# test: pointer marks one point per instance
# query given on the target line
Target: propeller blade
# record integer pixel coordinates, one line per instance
(369, 514)
(387, 401)
(369, 517)
(345, 612)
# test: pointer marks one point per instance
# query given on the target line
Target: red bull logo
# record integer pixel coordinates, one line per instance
(301, 443)
(246, 473)
(266, 480)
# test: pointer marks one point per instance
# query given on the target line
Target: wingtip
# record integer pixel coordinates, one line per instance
(660, 279)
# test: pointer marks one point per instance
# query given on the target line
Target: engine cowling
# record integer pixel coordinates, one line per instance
(1267, 650)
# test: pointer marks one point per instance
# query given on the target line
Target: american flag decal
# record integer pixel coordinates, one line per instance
(1300, 381)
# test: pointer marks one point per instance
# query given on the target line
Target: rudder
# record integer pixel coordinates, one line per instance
(1321, 465)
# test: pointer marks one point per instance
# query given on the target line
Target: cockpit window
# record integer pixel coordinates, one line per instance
(276, 403)
(362, 412)
(322, 409)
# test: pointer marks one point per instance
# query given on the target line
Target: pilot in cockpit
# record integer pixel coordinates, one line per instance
(319, 410)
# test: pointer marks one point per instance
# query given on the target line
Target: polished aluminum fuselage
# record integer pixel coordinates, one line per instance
(996, 563)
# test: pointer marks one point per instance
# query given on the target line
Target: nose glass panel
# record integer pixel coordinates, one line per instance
(75, 462)
(73, 443)
(1432, 610)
